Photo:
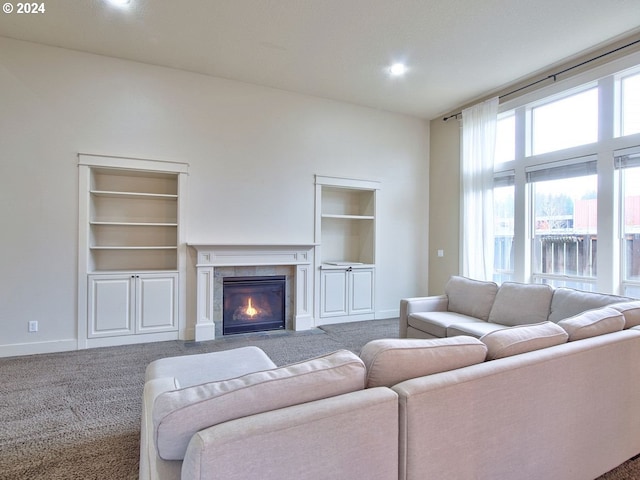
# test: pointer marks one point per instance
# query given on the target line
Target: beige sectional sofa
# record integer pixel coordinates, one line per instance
(472, 307)
(235, 415)
(544, 400)
(567, 412)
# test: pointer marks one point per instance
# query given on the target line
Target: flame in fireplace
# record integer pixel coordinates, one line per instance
(250, 310)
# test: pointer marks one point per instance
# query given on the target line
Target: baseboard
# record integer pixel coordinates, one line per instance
(131, 339)
(344, 319)
(393, 313)
(35, 348)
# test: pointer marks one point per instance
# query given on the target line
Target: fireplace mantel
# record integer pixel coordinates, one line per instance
(210, 256)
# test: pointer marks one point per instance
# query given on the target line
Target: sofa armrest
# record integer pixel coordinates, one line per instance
(436, 303)
(149, 462)
(354, 435)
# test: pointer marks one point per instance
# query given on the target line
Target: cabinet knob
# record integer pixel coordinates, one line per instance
(350, 269)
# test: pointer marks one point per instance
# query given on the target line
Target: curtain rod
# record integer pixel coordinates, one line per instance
(554, 75)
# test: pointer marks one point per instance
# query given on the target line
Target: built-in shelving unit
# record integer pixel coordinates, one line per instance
(346, 234)
(347, 225)
(133, 220)
(131, 249)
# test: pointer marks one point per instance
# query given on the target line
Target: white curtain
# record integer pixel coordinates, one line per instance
(478, 149)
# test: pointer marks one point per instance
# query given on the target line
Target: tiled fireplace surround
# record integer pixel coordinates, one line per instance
(217, 261)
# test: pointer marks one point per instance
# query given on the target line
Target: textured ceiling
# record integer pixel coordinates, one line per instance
(456, 50)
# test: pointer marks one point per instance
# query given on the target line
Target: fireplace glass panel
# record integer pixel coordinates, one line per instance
(253, 304)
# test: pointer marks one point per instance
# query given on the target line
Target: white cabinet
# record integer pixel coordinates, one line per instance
(333, 293)
(131, 261)
(126, 304)
(345, 232)
(110, 305)
(346, 291)
(360, 292)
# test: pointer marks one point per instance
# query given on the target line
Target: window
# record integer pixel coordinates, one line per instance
(503, 226)
(563, 191)
(629, 170)
(564, 216)
(630, 104)
(505, 138)
(567, 122)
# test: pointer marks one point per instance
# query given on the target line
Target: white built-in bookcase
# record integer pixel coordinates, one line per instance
(131, 250)
(345, 231)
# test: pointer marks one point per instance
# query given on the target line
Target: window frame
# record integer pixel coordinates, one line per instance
(505, 178)
(607, 77)
(620, 157)
(565, 169)
(558, 97)
(619, 100)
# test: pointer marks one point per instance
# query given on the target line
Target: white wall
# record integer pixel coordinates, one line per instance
(444, 213)
(238, 139)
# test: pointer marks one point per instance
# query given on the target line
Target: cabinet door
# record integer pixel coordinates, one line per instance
(361, 291)
(156, 305)
(110, 305)
(333, 293)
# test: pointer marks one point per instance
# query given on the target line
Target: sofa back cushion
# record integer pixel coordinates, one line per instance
(521, 304)
(631, 312)
(391, 361)
(521, 339)
(593, 323)
(567, 302)
(179, 414)
(470, 297)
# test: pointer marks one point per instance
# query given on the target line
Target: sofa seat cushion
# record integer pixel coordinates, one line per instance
(631, 312)
(436, 323)
(473, 298)
(567, 302)
(391, 361)
(521, 304)
(593, 323)
(523, 338)
(188, 370)
(179, 414)
(473, 329)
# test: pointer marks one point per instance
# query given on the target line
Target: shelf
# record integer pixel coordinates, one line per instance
(348, 217)
(130, 209)
(118, 181)
(344, 265)
(137, 271)
(110, 247)
(347, 203)
(108, 259)
(135, 224)
(106, 193)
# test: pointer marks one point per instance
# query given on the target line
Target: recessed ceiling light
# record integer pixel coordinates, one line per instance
(397, 69)
(119, 3)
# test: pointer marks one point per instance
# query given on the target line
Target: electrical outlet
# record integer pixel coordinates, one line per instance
(33, 326)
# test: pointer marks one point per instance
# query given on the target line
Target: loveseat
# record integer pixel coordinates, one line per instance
(545, 400)
(475, 308)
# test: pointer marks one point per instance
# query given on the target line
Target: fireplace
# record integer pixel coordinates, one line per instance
(253, 304)
(215, 262)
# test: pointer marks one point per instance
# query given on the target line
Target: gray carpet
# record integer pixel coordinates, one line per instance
(76, 415)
